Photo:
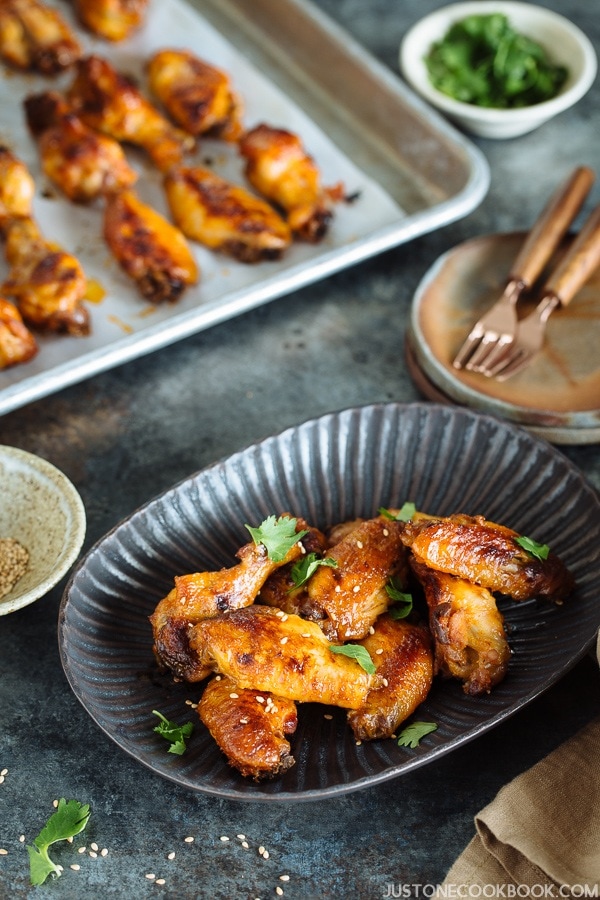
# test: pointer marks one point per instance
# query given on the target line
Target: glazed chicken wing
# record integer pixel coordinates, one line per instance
(81, 161)
(47, 284)
(279, 168)
(17, 344)
(203, 595)
(17, 188)
(250, 727)
(149, 249)
(224, 216)
(110, 102)
(267, 650)
(353, 593)
(113, 20)
(468, 630)
(34, 36)
(401, 652)
(487, 554)
(197, 95)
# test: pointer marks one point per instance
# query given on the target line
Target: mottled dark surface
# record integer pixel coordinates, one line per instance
(124, 436)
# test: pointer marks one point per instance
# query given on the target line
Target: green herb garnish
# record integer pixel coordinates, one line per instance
(174, 733)
(277, 535)
(357, 652)
(412, 735)
(404, 514)
(403, 602)
(484, 61)
(303, 569)
(540, 551)
(69, 819)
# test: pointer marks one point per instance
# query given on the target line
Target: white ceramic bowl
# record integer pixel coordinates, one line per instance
(565, 44)
(39, 508)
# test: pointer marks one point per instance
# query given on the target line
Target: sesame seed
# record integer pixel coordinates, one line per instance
(359, 544)
(280, 614)
(2, 779)
(94, 846)
(218, 677)
(284, 640)
(371, 630)
(279, 891)
(274, 708)
(260, 699)
(328, 716)
(171, 855)
(385, 682)
(379, 652)
(55, 803)
(224, 838)
(93, 854)
(4, 772)
(189, 840)
(75, 866)
(245, 845)
(244, 721)
(284, 617)
(70, 840)
(306, 635)
(358, 743)
(22, 838)
(81, 849)
(234, 696)
(385, 532)
(356, 588)
(104, 852)
(160, 881)
(337, 589)
(150, 876)
(261, 850)
(241, 837)
(265, 854)
(284, 877)
(3, 852)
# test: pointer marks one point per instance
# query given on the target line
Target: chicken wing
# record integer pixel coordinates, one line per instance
(486, 554)
(353, 594)
(81, 161)
(149, 249)
(279, 168)
(34, 36)
(267, 650)
(197, 95)
(401, 652)
(113, 20)
(17, 344)
(203, 595)
(109, 101)
(17, 188)
(225, 217)
(250, 727)
(47, 284)
(468, 630)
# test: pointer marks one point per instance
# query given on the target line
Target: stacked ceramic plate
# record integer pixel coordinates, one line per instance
(557, 396)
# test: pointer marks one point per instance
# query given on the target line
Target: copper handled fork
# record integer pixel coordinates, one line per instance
(577, 266)
(495, 331)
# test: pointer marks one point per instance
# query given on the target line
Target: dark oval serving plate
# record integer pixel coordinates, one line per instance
(333, 468)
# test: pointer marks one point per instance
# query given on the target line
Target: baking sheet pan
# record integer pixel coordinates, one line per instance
(411, 171)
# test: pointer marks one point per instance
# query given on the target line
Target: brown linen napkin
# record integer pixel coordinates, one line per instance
(541, 833)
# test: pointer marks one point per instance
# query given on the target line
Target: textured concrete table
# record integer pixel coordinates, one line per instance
(124, 436)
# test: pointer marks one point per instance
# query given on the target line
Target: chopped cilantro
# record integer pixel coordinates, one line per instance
(277, 535)
(540, 551)
(402, 602)
(412, 735)
(357, 652)
(307, 566)
(69, 819)
(174, 733)
(404, 514)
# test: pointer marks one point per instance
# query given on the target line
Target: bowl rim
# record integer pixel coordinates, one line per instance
(73, 538)
(453, 12)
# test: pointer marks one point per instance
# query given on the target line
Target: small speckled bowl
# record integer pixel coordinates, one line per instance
(39, 508)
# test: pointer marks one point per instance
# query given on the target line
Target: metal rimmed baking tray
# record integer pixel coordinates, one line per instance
(411, 171)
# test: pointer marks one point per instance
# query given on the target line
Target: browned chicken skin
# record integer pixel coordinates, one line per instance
(110, 102)
(197, 95)
(203, 595)
(251, 727)
(34, 36)
(487, 554)
(17, 188)
(224, 216)
(468, 630)
(279, 168)
(268, 650)
(81, 161)
(17, 344)
(401, 652)
(353, 594)
(149, 249)
(113, 20)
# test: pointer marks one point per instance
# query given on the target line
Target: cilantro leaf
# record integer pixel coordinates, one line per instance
(414, 733)
(403, 602)
(69, 819)
(174, 733)
(277, 535)
(404, 514)
(357, 652)
(540, 551)
(307, 566)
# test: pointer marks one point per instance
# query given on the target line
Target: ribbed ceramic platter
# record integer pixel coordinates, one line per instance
(329, 469)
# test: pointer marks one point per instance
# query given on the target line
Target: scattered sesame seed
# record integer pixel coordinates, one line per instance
(22, 838)
(284, 617)
(359, 544)
(284, 640)
(260, 699)
(70, 840)
(234, 696)
(150, 876)
(265, 854)
(261, 850)
(104, 852)
(379, 652)
(94, 846)
(385, 682)
(2, 777)
(218, 677)
(328, 716)
(274, 708)
(160, 881)
(358, 743)
(245, 845)
(284, 877)
(241, 837)
(171, 855)
(244, 721)
(81, 849)
(306, 635)
(93, 854)
(224, 838)
(4, 772)
(55, 803)
(371, 630)
(337, 589)
(3, 852)
(279, 891)
(75, 866)
(189, 840)
(280, 614)
(385, 532)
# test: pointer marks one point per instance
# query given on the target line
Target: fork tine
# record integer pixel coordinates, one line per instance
(489, 352)
(469, 345)
(520, 361)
